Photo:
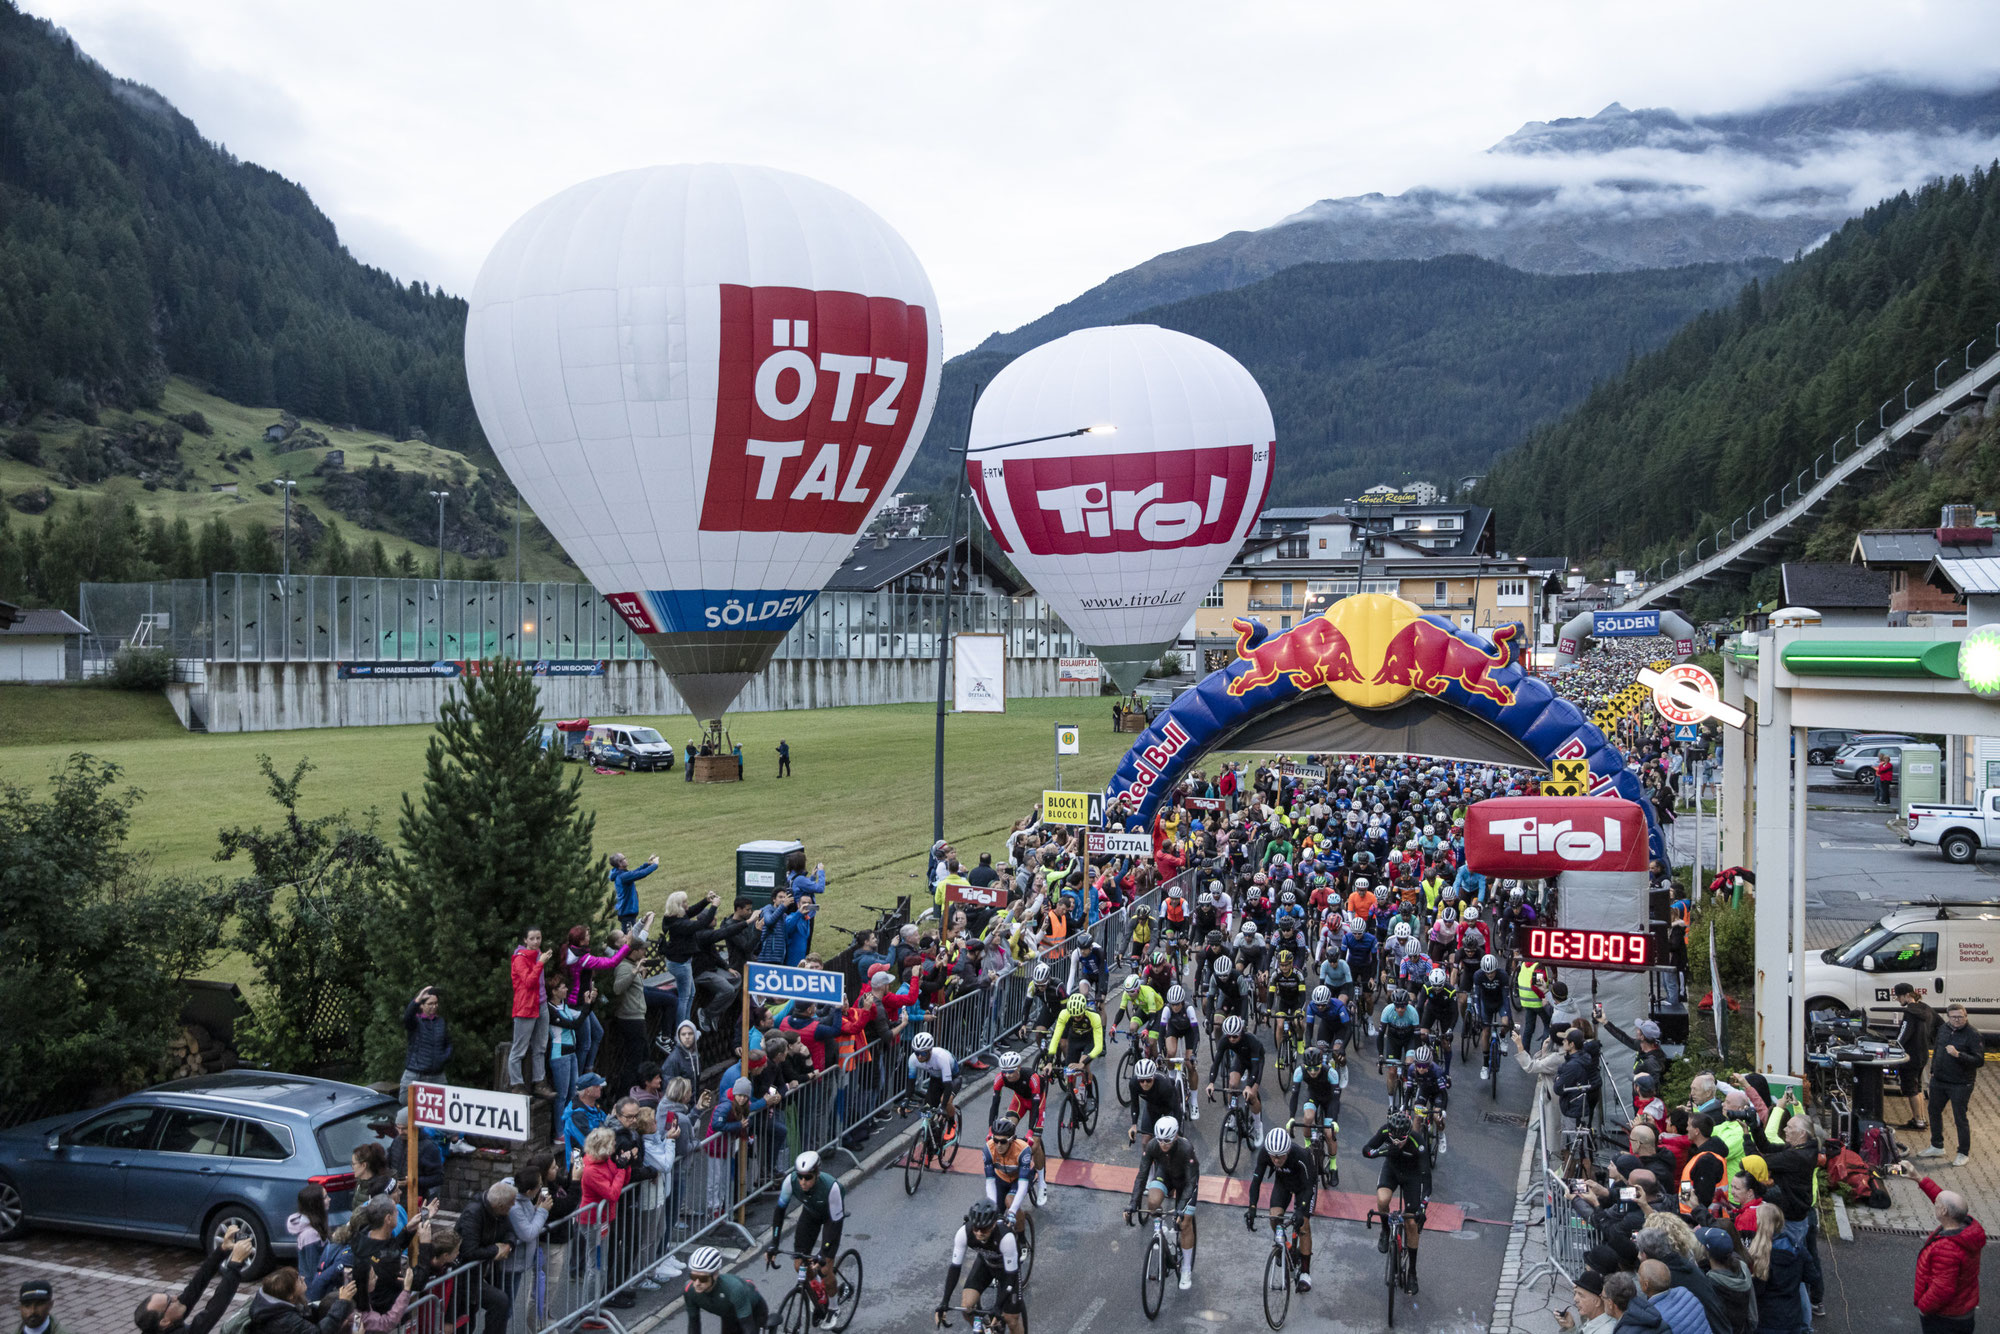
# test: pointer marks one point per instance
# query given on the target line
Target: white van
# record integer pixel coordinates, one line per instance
(616, 745)
(1950, 952)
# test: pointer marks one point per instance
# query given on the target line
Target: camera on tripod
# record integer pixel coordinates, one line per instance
(1831, 1026)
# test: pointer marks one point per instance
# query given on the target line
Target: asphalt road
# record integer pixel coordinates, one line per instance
(1088, 1264)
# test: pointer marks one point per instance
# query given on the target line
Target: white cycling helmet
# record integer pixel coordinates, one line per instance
(1166, 1130)
(1010, 1062)
(1437, 977)
(1322, 995)
(1277, 1141)
(806, 1164)
(1488, 964)
(1132, 983)
(1360, 882)
(1471, 913)
(1402, 930)
(1232, 1027)
(707, 1260)
(1222, 966)
(1423, 1055)
(1147, 1068)
(922, 1044)
(1041, 973)
(1177, 994)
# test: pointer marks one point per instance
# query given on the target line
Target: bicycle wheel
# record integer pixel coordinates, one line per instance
(794, 1313)
(847, 1287)
(1230, 1143)
(1090, 1108)
(1153, 1278)
(915, 1161)
(1125, 1065)
(1394, 1276)
(1025, 1239)
(948, 1149)
(1493, 1064)
(1277, 1287)
(1066, 1127)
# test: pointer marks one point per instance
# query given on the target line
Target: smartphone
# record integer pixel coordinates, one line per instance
(1629, 1193)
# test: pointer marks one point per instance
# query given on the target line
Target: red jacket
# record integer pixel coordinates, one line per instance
(1948, 1267)
(603, 1183)
(528, 989)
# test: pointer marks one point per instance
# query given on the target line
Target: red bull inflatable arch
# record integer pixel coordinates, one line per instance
(1371, 674)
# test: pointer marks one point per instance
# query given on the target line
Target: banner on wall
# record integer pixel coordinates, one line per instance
(979, 673)
(1079, 671)
(446, 669)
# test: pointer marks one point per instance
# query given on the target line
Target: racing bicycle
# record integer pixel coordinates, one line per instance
(1163, 1257)
(1393, 1275)
(936, 1145)
(1079, 1109)
(1281, 1269)
(813, 1297)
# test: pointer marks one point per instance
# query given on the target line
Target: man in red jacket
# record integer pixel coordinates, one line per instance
(531, 1018)
(1947, 1287)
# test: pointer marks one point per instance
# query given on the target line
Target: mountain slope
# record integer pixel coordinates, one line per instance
(131, 248)
(1739, 401)
(1424, 369)
(1618, 190)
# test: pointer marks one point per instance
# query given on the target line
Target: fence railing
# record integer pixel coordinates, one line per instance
(1560, 1140)
(340, 618)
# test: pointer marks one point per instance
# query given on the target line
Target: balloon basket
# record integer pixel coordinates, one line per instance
(717, 769)
(1132, 722)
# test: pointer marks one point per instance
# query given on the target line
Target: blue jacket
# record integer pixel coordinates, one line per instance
(801, 883)
(625, 889)
(579, 1119)
(798, 937)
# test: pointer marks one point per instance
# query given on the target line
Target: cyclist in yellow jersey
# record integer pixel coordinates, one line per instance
(1138, 1003)
(1078, 1037)
(1142, 930)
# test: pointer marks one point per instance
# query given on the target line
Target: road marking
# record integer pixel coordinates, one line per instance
(1083, 1322)
(80, 1271)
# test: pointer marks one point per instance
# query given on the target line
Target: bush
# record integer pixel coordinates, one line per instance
(25, 446)
(141, 669)
(193, 421)
(1735, 945)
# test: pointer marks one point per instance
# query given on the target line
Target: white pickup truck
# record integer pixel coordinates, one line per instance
(1959, 832)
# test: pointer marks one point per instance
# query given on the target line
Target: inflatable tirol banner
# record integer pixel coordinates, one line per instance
(1532, 838)
(1371, 651)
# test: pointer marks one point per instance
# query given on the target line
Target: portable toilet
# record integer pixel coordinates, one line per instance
(1922, 776)
(760, 867)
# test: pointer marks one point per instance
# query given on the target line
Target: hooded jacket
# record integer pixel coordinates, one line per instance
(1948, 1267)
(1778, 1310)
(1640, 1318)
(1686, 1275)
(1733, 1288)
(268, 1315)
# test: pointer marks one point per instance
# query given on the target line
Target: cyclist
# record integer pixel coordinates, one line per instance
(821, 1219)
(1009, 1163)
(1207, 917)
(1319, 1080)
(1138, 1003)
(1158, 972)
(1029, 1095)
(1425, 1076)
(1213, 946)
(1177, 1026)
(1358, 943)
(1319, 1135)
(1398, 1028)
(1406, 1167)
(1239, 1055)
(1176, 916)
(1475, 938)
(935, 1068)
(1491, 995)
(1231, 990)
(1287, 992)
(1045, 998)
(1142, 930)
(1088, 968)
(1361, 903)
(1326, 1016)
(737, 1307)
(1078, 1037)
(996, 1258)
(1252, 954)
(1153, 1096)
(1169, 1163)
(1292, 1186)
(1439, 1011)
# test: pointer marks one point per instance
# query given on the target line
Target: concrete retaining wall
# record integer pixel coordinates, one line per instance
(279, 696)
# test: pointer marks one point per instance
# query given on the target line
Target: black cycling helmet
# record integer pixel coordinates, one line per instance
(1398, 1124)
(985, 1214)
(1314, 1058)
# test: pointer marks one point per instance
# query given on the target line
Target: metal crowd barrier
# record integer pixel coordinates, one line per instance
(1567, 1235)
(603, 1252)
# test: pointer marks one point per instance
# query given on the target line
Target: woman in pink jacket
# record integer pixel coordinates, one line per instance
(577, 959)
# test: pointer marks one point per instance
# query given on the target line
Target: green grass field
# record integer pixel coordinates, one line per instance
(860, 799)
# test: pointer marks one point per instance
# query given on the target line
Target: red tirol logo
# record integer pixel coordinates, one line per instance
(1096, 504)
(816, 393)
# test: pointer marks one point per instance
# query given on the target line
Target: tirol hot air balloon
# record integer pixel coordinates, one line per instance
(1122, 533)
(705, 380)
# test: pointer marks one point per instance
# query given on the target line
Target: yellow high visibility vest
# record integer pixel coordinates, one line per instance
(1525, 985)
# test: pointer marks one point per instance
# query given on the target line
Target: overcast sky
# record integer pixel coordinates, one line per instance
(1027, 151)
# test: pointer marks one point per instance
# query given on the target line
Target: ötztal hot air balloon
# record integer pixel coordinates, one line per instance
(1123, 532)
(705, 380)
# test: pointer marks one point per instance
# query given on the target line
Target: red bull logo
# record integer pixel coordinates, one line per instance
(1427, 657)
(1415, 654)
(1313, 654)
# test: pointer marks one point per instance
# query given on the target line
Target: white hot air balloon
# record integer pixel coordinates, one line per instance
(705, 380)
(1122, 533)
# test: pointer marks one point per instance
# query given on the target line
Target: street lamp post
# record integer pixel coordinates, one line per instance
(959, 495)
(440, 497)
(287, 566)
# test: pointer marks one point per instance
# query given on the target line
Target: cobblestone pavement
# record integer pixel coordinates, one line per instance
(97, 1280)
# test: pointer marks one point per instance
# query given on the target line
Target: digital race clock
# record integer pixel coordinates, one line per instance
(1574, 947)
